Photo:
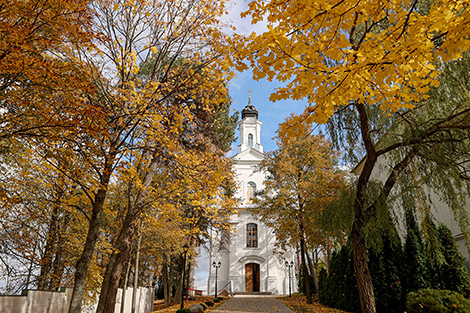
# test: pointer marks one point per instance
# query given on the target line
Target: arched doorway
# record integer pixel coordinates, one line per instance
(252, 277)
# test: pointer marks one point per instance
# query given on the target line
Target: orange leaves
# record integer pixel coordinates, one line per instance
(335, 52)
(298, 303)
(37, 67)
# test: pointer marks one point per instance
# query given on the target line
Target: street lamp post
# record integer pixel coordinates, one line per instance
(216, 266)
(185, 249)
(289, 266)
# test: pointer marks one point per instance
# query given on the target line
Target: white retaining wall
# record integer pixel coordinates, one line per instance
(143, 303)
(37, 301)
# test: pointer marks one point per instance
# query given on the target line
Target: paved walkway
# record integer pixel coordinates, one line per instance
(244, 304)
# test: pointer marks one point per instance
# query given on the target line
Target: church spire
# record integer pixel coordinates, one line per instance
(249, 110)
(250, 128)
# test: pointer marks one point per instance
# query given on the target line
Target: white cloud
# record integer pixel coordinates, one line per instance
(201, 272)
(243, 25)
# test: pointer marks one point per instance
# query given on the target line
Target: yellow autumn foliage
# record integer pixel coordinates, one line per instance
(336, 52)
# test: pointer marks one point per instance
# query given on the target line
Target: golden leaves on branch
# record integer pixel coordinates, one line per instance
(36, 66)
(334, 52)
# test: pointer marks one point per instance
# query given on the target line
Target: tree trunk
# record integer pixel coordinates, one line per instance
(361, 269)
(304, 270)
(166, 288)
(124, 288)
(328, 253)
(179, 290)
(114, 269)
(51, 244)
(58, 268)
(312, 271)
(191, 278)
(136, 276)
(84, 261)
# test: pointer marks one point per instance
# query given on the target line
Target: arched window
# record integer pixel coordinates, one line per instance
(250, 192)
(252, 235)
(250, 140)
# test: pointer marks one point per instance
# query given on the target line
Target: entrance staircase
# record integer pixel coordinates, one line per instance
(246, 293)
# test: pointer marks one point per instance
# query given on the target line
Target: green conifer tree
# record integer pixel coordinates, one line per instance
(415, 263)
(453, 273)
(434, 251)
(340, 289)
(386, 272)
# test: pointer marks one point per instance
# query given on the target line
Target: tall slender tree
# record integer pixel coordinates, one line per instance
(301, 179)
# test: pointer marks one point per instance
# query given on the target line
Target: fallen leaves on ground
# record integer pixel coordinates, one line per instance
(158, 308)
(298, 304)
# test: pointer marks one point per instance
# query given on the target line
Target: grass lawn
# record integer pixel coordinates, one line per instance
(298, 304)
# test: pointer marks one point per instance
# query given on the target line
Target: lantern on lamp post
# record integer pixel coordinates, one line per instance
(216, 266)
(289, 266)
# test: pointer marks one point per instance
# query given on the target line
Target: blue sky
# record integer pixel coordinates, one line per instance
(270, 113)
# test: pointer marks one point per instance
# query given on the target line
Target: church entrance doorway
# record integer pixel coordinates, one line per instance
(252, 277)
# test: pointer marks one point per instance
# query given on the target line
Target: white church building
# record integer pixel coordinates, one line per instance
(250, 264)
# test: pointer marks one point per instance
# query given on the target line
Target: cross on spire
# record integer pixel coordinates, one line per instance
(249, 93)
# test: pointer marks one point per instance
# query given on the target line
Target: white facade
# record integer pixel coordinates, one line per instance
(251, 265)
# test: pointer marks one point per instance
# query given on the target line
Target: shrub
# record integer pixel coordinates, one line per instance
(183, 311)
(216, 300)
(209, 303)
(436, 301)
(220, 298)
(204, 306)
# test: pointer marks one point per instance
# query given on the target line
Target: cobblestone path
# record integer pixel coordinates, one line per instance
(253, 304)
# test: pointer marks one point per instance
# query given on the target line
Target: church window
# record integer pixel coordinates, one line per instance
(252, 235)
(250, 192)
(250, 140)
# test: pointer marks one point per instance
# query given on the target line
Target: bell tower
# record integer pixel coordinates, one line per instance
(250, 129)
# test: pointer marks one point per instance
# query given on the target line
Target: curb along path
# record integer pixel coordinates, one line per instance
(253, 304)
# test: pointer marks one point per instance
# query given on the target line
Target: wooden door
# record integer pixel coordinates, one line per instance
(249, 277)
(252, 277)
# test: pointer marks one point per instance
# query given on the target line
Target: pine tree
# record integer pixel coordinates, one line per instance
(340, 289)
(415, 263)
(434, 251)
(386, 271)
(453, 273)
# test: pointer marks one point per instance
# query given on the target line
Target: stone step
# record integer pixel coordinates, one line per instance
(245, 293)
